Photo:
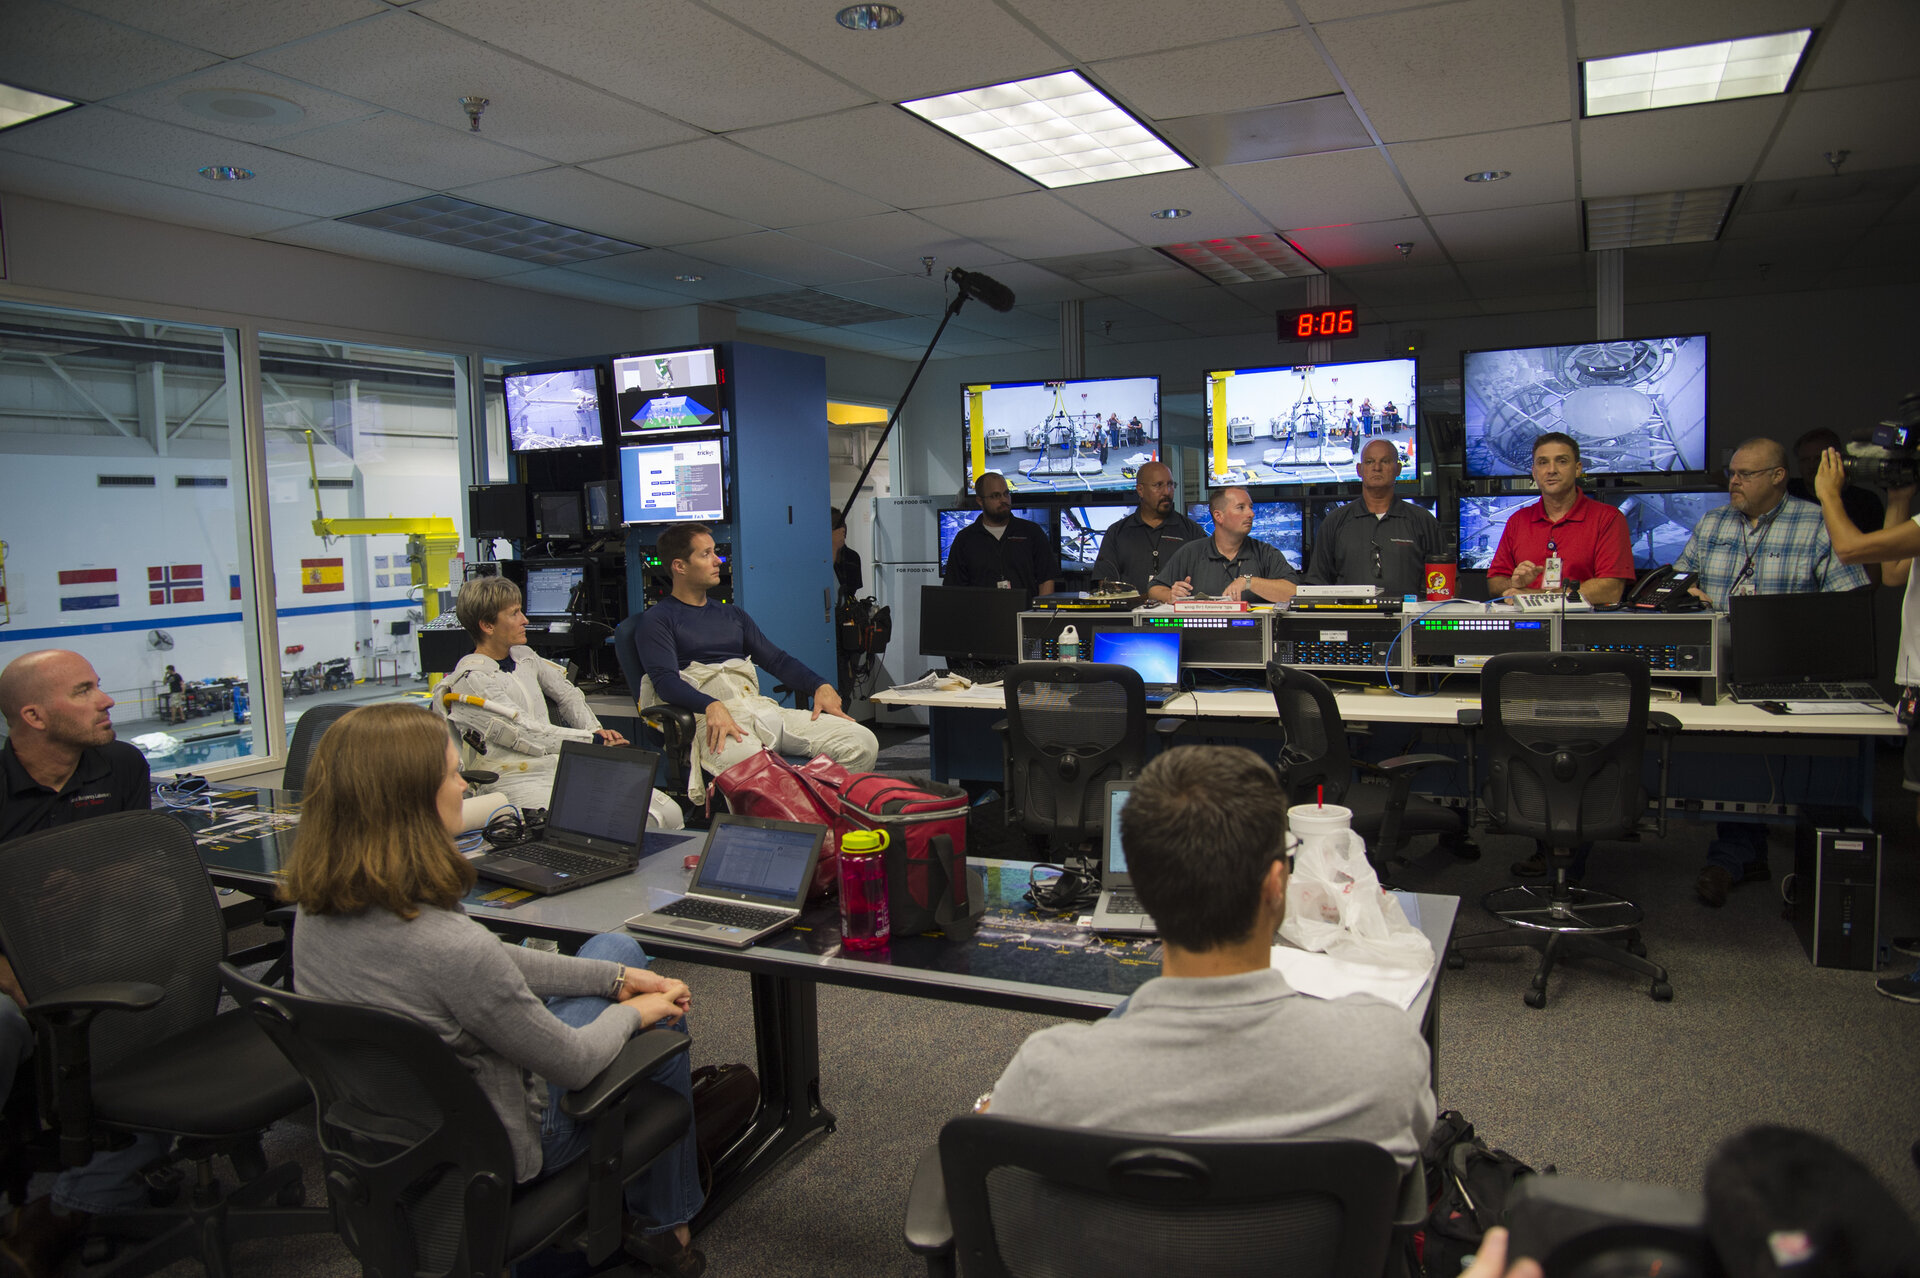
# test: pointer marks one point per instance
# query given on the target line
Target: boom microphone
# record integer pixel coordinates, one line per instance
(983, 287)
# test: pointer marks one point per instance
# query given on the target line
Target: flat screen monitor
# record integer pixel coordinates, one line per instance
(554, 408)
(677, 482)
(559, 515)
(550, 586)
(1278, 523)
(1082, 528)
(497, 510)
(1661, 523)
(1482, 520)
(1084, 435)
(952, 521)
(599, 499)
(1637, 406)
(665, 393)
(1306, 424)
(976, 623)
(1152, 654)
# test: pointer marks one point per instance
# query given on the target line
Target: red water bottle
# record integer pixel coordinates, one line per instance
(864, 921)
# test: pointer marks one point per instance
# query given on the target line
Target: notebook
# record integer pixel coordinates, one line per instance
(1153, 654)
(1118, 910)
(752, 880)
(596, 828)
(1803, 647)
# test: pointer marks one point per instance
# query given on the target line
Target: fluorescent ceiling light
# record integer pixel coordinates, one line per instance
(1057, 129)
(1749, 68)
(446, 219)
(1244, 259)
(1669, 217)
(17, 105)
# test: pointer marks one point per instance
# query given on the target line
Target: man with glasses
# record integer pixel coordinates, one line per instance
(1132, 548)
(1378, 540)
(1762, 542)
(1566, 542)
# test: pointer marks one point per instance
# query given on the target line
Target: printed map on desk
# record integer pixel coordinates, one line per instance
(238, 819)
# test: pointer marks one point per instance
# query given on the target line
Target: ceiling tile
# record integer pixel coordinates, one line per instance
(782, 257)
(1870, 40)
(849, 340)
(1520, 277)
(1537, 229)
(1878, 124)
(409, 150)
(1026, 226)
(1603, 28)
(1827, 222)
(321, 108)
(916, 331)
(1227, 75)
(761, 322)
(1540, 160)
(1667, 264)
(923, 166)
(1128, 206)
(1092, 29)
(1309, 126)
(719, 174)
(404, 250)
(76, 55)
(957, 343)
(1277, 295)
(1887, 250)
(1410, 70)
(899, 240)
(589, 202)
(1409, 284)
(232, 28)
(1320, 190)
(1868, 186)
(1365, 243)
(51, 180)
(912, 294)
(675, 56)
(1677, 149)
(1335, 10)
(658, 270)
(1233, 325)
(1021, 323)
(403, 62)
(594, 288)
(1773, 259)
(1036, 286)
(1193, 305)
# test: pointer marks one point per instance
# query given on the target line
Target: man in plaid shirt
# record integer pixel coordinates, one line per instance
(1762, 542)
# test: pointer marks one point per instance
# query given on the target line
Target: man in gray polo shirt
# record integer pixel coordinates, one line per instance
(1378, 540)
(1134, 548)
(1232, 563)
(1220, 1044)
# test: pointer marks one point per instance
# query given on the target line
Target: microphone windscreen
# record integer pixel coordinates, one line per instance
(984, 288)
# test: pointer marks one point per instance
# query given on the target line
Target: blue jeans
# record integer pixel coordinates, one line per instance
(668, 1193)
(1737, 845)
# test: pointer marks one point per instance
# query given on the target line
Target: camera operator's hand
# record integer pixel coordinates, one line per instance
(1491, 1260)
(1832, 476)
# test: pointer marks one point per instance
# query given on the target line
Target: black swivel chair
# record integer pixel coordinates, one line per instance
(1071, 727)
(1315, 765)
(113, 931)
(306, 739)
(1006, 1196)
(1564, 737)
(419, 1170)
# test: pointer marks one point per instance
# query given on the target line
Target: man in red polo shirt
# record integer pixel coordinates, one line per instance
(1566, 539)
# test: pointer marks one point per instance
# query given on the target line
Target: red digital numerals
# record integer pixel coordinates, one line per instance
(1327, 323)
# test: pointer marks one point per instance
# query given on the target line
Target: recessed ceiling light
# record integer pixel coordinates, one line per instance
(1170, 214)
(869, 17)
(1057, 129)
(446, 219)
(1749, 68)
(17, 105)
(225, 173)
(242, 106)
(1665, 217)
(689, 279)
(1244, 259)
(1490, 175)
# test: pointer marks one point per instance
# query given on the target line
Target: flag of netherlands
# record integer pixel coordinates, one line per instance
(89, 600)
(176, 584)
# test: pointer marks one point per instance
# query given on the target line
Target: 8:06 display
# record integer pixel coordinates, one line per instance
(1318, 323)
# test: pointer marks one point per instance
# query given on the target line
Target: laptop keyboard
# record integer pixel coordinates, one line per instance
(565, 860)
(1808, 692)
(725, 913)
(1121, 903)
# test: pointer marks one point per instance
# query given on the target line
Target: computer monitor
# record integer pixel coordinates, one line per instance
(498, 510)
(550, 586)
(1308, 423)
(399, 627)
(971, 623)
(1072, 436)
(666, 393)
(1082, 529)
(1482, 521)
(550, 408)
(1823, 637)
(1153, 654)
(1660, 524)
(598, 496)
(952, 521)
(683, 481)
(1636, 406)
(559, 515)
(1278, 523)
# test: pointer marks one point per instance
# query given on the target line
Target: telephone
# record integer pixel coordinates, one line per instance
(1664, 590)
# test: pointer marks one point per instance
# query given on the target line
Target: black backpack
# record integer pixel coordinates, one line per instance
(1468, 1185)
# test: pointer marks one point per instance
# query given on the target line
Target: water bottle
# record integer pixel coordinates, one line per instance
(1070, 644)
(864, 921)
(1443, 568)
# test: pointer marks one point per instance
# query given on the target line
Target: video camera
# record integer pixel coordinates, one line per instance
(1890, 455)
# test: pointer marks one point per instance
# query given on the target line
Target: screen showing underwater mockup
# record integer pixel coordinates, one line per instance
(1082, 529)
(668, 392)
(1075, 436)
(1306, 424)
(559, 408)
(952, 521)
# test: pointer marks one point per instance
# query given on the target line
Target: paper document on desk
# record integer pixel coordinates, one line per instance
(1324, 976)
(1833, 707)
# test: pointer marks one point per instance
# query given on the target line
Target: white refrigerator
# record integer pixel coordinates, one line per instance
(906, 556)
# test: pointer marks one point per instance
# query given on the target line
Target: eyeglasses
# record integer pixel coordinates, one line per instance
(1744, 475)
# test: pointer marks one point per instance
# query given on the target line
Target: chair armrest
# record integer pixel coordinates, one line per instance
(928, 1228)
(1168, 728)
(1661, 721)
(999, 726)
(643, 1054)
(479, 776)
(671, 721)
(1411, 1211)
(1468, 717)
(100, 996)
(1409, 763)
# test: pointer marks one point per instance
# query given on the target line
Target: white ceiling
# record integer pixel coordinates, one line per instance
(756, 145)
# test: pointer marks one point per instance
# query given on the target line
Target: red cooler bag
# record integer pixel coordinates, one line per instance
(928, 887)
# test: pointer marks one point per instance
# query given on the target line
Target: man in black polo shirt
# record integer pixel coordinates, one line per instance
(1378, 540)
(1231, 564)
(1000, 548)
(1133, 548)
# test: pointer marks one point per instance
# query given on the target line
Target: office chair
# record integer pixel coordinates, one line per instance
(1564, 736)
(114, 933)
(307, 732)
(419, 1168)
(1315, 765)
(1071, 727)
(1004, 1196)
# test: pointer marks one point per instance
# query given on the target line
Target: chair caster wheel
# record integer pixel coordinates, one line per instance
(1535, 998)
(1456, 960)
(1662, 992)
(1538, 982)
(291, 1194)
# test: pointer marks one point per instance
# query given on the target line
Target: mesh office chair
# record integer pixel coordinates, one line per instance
(1071, 727)
(1565, 739)
(1005, 1196)
(112, 929)
(1314, 762)
(419, 1169)
(306, 739)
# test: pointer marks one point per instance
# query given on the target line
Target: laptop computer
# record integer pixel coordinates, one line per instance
(1803, 647)
(596, 828)
(752, 880)
(1154, 654)
(1118, 910)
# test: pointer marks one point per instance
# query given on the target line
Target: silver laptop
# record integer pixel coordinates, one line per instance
(596, 828)
(1118, 910)
(752, 880)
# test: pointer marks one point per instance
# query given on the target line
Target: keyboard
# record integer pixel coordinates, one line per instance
(1121, 903)
(566, 860)
(1548, 601)
(725, 913)
(1851, 691)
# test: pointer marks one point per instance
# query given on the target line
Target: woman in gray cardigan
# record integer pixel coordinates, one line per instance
(378, 883)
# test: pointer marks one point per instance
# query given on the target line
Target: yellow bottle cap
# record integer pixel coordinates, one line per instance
(862, 842)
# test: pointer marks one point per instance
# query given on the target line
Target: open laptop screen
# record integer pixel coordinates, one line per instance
(602, 792)
(1155, 654)
(1803, 638)
(768, 863)
(1116, 855)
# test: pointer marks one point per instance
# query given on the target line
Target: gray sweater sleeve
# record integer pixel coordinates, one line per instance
(551, 975)
(487, 994)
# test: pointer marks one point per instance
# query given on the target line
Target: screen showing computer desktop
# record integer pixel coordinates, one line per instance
(1082, 529)
(550, 585)
(1073, 436)
(682, 481)
(952, 521)
(554, 408)
(1280, 524)
(1636, 406)
(665, 393)
(1152, 654)
(1305, 424)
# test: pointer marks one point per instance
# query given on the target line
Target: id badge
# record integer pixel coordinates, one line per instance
(1551, 577)
(1004, 584)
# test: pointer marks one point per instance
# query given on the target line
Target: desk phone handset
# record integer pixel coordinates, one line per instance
(1665, 590)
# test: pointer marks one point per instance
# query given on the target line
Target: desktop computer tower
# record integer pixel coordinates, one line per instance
(1836, 898)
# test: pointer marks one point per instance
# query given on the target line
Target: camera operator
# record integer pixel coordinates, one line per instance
(1893, 547)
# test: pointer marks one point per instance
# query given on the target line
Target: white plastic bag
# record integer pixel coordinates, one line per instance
(1336, 906)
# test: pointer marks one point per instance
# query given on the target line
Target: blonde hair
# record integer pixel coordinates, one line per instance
(483, 600)
(370, 832)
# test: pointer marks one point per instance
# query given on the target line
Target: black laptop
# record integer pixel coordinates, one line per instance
(1803, 647)
(596, 828)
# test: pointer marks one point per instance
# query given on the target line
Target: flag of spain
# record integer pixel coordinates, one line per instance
(319, 576)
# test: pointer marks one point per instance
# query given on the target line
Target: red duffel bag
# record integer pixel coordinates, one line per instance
(928, 887)
(766, 785)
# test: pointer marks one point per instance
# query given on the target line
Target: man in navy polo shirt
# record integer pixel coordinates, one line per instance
(1566, 539)
(1000, 548)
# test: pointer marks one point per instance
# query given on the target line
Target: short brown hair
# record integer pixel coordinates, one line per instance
(370, 832)
(482, 600)
(1554, 437)
(677, 543)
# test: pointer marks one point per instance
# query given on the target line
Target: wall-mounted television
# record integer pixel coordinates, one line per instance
(1661, 523)
(952, 521)
(680, 481)
(1082, 528)
(1482, 520)
(1076, 436)
(664, 393)
(1636, 406)
(1278, 523)
(554, 408)
(1306, 424)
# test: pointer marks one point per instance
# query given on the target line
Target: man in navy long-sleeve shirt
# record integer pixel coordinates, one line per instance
(687, 628)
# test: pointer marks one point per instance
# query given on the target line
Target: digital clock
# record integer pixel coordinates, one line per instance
(1318, 324)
